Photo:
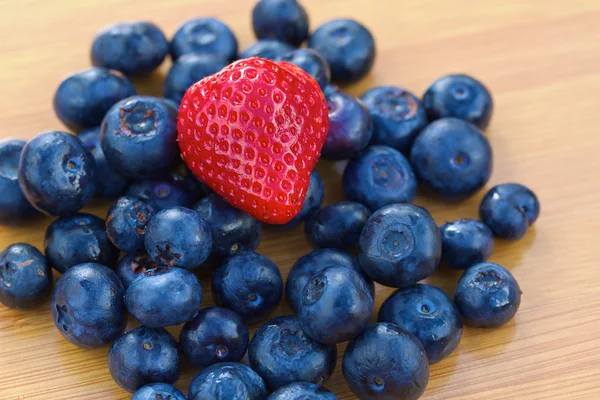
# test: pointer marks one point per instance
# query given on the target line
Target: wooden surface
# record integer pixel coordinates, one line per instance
(541, 59)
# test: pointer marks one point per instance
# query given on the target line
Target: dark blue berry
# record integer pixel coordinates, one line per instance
(249, 284)
(465, 242)
(284, 20)
(400, 245)
(82, 99)
(193, 181)
(87, 305)
(126, 223)
(347, 46)
(14, 206)
(378, 177)
(228, 380)
(509, 209)
(78, 239)
(204, 35)
(302, 390)
(487, 295)
(311, 62)
(459, 96)
(338, 225)
(397, 114)
(57, 173)
(270, 49)
(144, 356)
(189, 69)
(139, 137)
(429, 314)
(386, 363)
(214, 335)
(158, 391)
(336, 305)
(282, 353)
(130, 266)
(171, 103)
(312, 201)
(452, 158)
(134, 48)
(25, 277)
(167, 191)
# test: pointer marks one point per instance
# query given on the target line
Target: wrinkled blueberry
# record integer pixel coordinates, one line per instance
(14, 206)
(465, 242)
(338, 225)
(284, 20)
(231, 381)
(204, 35)
(126, 223)
(270, 49)
(311, 62)
(189, 69)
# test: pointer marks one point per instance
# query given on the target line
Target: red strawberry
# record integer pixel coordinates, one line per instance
(253, 132)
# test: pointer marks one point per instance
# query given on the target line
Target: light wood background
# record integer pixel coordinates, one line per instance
(540, 58)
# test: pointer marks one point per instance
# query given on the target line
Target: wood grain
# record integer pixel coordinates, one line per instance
(542, 61)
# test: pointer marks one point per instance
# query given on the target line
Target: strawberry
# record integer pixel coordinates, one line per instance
(253, 132)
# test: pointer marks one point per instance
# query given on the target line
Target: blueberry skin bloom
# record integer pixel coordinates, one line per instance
(311, 62)
(284, 20)
(164, 192)
(509, 209)
(204, 35)
(82, 99)
(397, 114)
(189, 69)
(158, 391)
(249, 284)
(227, 381)
(302, 390)
(270, 49)
(465, 242)
(386, 363)
(14, 206)
(214, 335)
(312, 201)
(452, 158)
(429, 314)
(126, 223)
(109, 183)
(337, 226)
(25, 277)
(144, 356)
(487, 295)
(78, 239)
(378, 177)
(282, 353)
(87, 305)
(347, 46)
(314, 262)
(130, 266)
(56, 173)
(139, 137)
(459, 96)
(350, 127)
(336, 305)
(400, 245)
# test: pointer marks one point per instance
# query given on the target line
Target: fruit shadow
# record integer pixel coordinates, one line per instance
(509, 254)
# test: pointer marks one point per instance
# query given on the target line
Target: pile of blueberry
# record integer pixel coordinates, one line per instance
(167, 225)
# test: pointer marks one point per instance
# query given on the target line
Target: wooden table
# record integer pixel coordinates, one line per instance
(541, 59)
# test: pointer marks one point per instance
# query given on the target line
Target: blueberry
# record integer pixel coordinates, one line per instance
(204, 35)
(270, 49)
(311, 62)
(189, 69)
(134, 48)
(130, 266)
(336, 305)
(348, 47)
(200, 187)
(378, 177)
(167, 191)
(14, 206)
(126, 223)
(232, 229)
(302, 391)
(178, 237)
(87, 305)
(171, 103)
(109, 183)
(82, 99)
(56, 173)
(452, 158)
(249, 284)
(25, 277)
(487, 295)
(397, 114)
(386, 363)
(282, 353)
(459, 96)
(312, 201)
(164, 296)
(400, 245)
(465, 242)
(144, 356)
(509, 209)
(338, 225)
(227, 381)
(350, 126)
(429, 314)
(158, 391)
(78, 239)
(284, 20)
(139, 137)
